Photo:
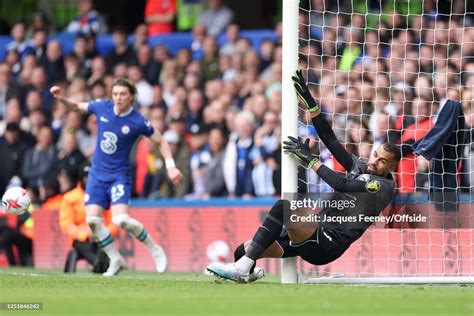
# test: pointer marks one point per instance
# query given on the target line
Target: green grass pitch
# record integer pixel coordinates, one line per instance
(139, 293)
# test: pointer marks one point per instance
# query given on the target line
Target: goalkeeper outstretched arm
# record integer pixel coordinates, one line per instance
(339, 183)
(325, 131)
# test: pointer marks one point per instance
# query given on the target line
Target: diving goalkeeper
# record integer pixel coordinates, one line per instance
(370, 184)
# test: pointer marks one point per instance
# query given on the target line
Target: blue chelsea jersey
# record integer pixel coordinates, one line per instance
(116, 136)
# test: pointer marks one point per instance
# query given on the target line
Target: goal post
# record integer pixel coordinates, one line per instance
(289, 114)
(381, 66)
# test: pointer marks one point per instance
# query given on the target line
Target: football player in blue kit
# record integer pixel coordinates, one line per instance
(109, 180)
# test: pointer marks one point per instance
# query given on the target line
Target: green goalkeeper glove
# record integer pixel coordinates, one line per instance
(303, 92)
(296, 148)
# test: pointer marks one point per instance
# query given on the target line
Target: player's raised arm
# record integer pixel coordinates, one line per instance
(325, 131)
(173, 173)
(68, 103)
(339, 183)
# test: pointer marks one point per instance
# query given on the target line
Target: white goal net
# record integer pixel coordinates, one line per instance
(383, 71)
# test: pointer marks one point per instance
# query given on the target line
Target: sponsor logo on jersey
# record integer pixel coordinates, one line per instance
(372, 186)
(86, 197)
(125, 129)
(109, 143)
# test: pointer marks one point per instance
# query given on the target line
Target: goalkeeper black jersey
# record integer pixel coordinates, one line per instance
(370, 193)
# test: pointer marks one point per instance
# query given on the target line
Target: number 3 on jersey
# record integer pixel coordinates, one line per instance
(109, 143)
(117, 192)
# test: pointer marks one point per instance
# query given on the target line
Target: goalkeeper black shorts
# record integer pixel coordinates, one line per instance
(321, 248)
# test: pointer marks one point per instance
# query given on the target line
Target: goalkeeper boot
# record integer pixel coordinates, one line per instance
(115, 267)
(159, 256)
(257, 274)
(228, 271)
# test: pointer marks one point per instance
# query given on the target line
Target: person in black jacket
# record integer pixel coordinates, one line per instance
(369, 186)
(122, 53)
(13, 149)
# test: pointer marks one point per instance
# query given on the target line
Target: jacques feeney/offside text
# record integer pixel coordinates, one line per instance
(361, 218)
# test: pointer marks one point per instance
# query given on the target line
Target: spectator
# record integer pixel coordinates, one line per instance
(70, 157)
(183, 59)
(39, 82)
(359, 134)
(41, 160)
(214, 170)
(232, 36)
(87, 21)
(188, 13)
(13, 149)
(216, 18)
(267, 48)
(54, 63)
(83, 58)
(199, 34)
(156, 116)
(195, 105)
(12, 58)
(39, 23)
(238, 161)
(140, 37)
(19, 43)
(352, 49)
(144, 89)
(213, 90)
(200, 157)
(266, 143)
(122, 52)
(8, 89)
(150, 68)
(98, 70)
(320, 17)
(157, 183)
(97, 90)
(88, 142)
(407, 167)
(160, 16)
(383, 126)
(24, 78)
(33, 101)
(40, 43)
(37, 120)
(14, 115)
(158, 100)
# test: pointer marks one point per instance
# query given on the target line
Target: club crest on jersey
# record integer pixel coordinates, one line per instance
(125, 129)
(372, 186)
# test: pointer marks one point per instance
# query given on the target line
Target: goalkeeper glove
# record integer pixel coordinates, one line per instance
(303, 92)
(300, 150)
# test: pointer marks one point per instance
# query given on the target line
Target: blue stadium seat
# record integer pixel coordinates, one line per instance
(174, 42)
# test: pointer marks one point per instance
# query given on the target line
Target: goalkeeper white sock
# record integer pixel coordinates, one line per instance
(244, 264)
(135, 228)
(103, 237)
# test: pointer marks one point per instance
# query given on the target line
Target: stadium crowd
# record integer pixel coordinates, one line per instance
(220, 107)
